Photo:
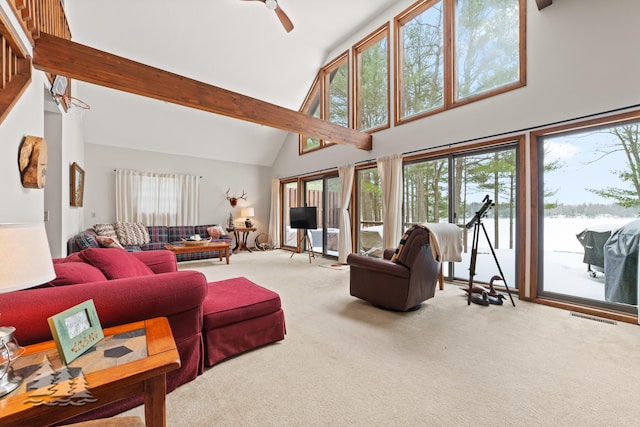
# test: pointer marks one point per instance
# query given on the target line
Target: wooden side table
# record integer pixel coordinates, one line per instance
(104, 379)
(241, 234)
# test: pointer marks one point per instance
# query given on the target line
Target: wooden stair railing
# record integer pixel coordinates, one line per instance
(15, 73)
(35, 17)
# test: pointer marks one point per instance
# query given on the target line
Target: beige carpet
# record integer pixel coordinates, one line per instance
(346, 363)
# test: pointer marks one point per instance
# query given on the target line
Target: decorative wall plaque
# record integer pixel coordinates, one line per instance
(32, 162)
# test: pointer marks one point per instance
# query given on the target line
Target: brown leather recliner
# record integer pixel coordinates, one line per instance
(400, 285)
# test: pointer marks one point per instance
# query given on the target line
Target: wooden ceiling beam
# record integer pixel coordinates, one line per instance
(76, 61)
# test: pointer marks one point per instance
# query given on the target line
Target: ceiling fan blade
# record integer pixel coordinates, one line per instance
(284, 19)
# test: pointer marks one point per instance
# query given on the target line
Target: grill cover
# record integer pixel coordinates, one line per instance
(621, 264)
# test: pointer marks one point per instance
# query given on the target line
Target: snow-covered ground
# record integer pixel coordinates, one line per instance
(564, 272)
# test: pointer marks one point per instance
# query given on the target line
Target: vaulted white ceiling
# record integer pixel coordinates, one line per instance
(237, 45)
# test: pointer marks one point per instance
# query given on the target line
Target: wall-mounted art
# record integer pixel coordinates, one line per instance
(77, 185)
(32, 162)
(233, 201)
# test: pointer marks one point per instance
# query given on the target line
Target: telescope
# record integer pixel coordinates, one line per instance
(482, 212)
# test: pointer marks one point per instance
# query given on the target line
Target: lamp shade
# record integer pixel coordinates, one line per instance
(247, 212)
(25, 258)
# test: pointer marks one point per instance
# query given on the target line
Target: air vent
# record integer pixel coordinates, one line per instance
(597, 319)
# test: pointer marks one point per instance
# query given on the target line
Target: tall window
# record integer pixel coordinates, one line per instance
(486, 45)
(482, 57)
(313, 107)
(421, 60)
(336, 77)
(370, 212)
(328, 99)
(371, 92)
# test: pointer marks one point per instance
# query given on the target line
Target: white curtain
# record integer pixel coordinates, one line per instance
(156, 198)
(344, 238)
(274, 218)
(390, 169)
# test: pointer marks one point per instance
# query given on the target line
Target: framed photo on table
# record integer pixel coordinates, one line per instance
(75, 330)
(77, 185)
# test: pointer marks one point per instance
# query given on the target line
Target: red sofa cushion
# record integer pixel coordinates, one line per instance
(115, 263)
(235, 300)
(71, 273)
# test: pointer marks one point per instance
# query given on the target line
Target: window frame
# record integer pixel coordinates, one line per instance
(320, 88)
(334, 65)
(375, 37)
(316, 90)
(535, 228)
(449, 8)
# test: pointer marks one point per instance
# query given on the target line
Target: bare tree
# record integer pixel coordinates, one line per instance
(627, 143)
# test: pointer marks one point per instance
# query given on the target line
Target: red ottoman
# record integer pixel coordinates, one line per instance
(238, 316)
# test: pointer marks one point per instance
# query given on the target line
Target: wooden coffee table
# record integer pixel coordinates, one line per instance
(221, 247)
(152, 354)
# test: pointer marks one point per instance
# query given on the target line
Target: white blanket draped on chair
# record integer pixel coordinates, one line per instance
(445, 240)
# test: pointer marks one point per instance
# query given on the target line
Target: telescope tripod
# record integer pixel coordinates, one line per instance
(474, 254)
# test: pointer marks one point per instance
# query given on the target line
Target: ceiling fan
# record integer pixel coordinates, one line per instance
(284, 19)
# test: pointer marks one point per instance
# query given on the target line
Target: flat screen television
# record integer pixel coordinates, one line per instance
(304, 218)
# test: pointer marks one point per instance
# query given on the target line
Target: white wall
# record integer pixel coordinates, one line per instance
(582, 59)
(20, 204)
(217, 178)
(63, 135)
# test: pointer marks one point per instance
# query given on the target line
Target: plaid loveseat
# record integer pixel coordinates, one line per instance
(159, 235)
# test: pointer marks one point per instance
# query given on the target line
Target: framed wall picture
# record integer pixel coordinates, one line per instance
(75, 330)
(77, 185)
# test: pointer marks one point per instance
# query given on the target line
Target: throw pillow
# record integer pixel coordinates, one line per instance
(115, 263)
(132, 233)
(107, 230)
(108, 242)
(216, 231)
(86, 241)
(71, 273)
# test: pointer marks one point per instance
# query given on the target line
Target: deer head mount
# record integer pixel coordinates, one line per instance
(233, 201)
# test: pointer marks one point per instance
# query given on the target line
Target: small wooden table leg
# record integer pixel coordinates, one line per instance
(441, 278)
(155, 391)
(226, 254)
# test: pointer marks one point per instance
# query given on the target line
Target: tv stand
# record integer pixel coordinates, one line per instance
(305, 244)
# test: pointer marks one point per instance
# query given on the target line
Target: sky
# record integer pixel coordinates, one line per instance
(580, 170)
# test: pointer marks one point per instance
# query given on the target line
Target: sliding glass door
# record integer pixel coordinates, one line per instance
(324, 193)
(452, 189)
(589, 230)
(369, 213)
(289, 197)
(478, 178)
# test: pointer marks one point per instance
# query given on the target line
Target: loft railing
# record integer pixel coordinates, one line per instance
(38, 16)
(34, 16)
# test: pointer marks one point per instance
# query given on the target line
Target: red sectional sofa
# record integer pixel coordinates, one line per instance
(210, 322)
(125, 287)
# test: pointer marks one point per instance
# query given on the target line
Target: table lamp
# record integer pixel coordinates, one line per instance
(25, 261)
(248, 213)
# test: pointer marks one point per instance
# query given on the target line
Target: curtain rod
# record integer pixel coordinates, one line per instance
(451, 144)
(116, 170)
